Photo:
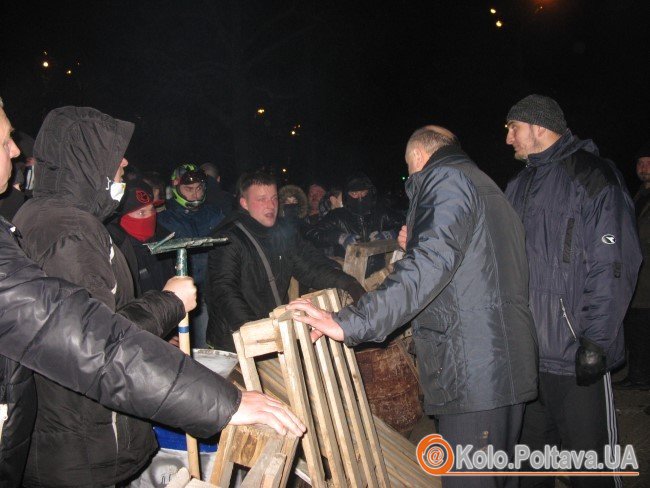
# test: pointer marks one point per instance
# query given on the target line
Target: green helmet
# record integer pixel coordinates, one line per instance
(186, 174)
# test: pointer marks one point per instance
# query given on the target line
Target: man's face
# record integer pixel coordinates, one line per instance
(120, 171)
(192, 192)
(643, 169)
(358, 194)
(521, 136)
(261, 201)
(8, 152)
(316, 192)
(143, 213)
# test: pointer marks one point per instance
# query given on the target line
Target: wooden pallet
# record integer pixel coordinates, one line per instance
(323, 385)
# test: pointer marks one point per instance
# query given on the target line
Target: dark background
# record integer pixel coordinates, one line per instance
(353, 79)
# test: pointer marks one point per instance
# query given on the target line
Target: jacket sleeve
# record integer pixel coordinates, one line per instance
(157, 312)
(55, 329)
(613, 257)
(224, 275)
(326, 231)
(85, 261)
(442, 226)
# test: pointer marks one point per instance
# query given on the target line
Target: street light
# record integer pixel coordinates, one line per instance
(499, 24)
(46, 64)
(493, 11)
(69, 72)
(261, 111)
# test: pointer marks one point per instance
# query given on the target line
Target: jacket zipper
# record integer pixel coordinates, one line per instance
(527, 191)
(566, 317)
(4, 415)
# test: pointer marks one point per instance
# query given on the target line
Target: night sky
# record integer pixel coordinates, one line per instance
(353, 79)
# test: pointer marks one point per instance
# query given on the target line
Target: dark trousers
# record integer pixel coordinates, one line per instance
(637, 341)
(499, 427)
(571, 417)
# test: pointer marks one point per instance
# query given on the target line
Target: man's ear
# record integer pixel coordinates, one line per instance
(243, 203)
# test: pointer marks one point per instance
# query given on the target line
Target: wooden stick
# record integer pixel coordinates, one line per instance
(192, 445)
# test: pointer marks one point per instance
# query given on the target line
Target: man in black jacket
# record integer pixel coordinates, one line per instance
(463, 283)
(53, 328)
(240, 289)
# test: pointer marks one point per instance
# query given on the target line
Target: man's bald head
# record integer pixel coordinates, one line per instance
(424, 142)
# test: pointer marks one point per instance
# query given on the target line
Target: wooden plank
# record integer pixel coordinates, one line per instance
(259, 338)
(247, 365)
(223, 465)
(297, 391)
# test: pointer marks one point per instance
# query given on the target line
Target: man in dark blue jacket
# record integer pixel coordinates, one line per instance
(463, 283)
(584, 255)
(188, 214)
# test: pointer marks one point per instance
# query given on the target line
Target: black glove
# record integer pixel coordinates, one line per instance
(356, 291)
(591, 362)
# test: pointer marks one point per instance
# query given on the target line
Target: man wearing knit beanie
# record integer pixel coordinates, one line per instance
(583, 255)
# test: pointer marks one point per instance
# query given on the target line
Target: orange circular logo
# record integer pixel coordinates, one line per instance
(435, 455)
(142, 196)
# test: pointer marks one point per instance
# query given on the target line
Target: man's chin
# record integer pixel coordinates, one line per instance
(3, 188)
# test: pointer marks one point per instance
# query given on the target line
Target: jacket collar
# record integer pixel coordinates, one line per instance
(564, 147)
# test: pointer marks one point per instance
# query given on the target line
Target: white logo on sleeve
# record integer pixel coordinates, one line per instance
(608, 239)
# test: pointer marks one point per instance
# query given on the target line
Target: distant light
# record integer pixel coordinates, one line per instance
(493, 11)
(293, 132)
(261, 111)
(69, 72)
(403, 178)
(44, 53)
(499, 24)
(46, 64)
(284, 170)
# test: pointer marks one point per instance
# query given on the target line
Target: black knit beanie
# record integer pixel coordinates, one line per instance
(539, 110)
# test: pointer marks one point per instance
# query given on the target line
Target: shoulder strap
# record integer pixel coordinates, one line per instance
(265, 261)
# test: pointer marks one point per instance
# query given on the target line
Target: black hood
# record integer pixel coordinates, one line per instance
(79, 150)
(564, 147)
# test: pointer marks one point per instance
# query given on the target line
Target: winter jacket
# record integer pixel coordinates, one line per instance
(53, 328)
(79, 151)
(463, 284)
(238, 286)
(641, 298)
(342, 220)
(582, 249)
(192, 223)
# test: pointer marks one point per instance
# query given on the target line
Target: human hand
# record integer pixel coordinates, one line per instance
(591, 362)
(183, 287)
(402, 236)
(346, 240)
(319, 319)
(258, 408)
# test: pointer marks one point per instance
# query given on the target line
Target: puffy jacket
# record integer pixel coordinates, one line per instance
(326, 232)
(582, 249)
(192, 223)
(238, 286)
(53, 328)
(79, 151)
(463, 284)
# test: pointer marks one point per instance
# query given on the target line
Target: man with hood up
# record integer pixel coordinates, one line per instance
(80, 152)
(583, 254)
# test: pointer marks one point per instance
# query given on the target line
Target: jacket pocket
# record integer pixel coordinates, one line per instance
(568, 240)
(437, 368)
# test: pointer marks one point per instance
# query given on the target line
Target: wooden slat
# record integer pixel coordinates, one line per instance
(223, 465)
(259, 338)
(247, 365)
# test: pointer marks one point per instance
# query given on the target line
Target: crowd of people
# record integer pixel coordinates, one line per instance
(516, 299)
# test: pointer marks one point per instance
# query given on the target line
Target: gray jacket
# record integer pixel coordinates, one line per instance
(464, 284)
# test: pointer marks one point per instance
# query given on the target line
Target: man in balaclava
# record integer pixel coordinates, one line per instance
(361, 219)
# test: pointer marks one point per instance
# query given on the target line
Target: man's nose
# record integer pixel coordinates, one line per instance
(509, 137)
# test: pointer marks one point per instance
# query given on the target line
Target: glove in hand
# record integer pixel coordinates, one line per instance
(591, 362)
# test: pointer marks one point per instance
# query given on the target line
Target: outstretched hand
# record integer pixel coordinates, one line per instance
(257, 408)
(319, 319)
